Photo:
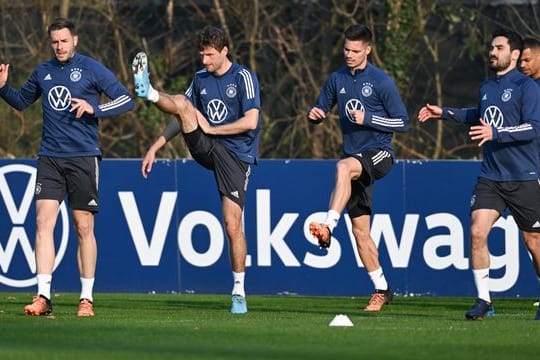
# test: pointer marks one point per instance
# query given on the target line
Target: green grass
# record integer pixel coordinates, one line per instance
(137, 326)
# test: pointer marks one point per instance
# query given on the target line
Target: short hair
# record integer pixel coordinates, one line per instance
(213, 37)
(531, 43)
(62, 23)
(359, 33)
(514, 40)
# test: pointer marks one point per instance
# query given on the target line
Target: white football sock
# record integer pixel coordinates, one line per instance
(238, 288)
(153, 94)
(87, 286)
(332, 218)
(481, 279)
(378, 279)
(44, 285)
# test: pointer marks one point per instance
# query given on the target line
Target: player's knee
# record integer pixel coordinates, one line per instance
(363, 238)
(478, 236)
(181, 102)
(532, 241)
(233, 225)
(44, 228)
(84, 230)
(44, 225)
(233, 229)
(84, 225)
(343, 170)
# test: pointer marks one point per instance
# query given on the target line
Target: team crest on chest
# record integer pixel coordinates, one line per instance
(231, 90)
(506, 95)
(367, 89)
(76, 74)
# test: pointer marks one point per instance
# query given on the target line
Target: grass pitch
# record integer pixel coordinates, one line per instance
(137, 326)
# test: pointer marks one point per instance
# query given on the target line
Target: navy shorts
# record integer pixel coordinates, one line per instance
(78, 177)
(375, 165)
(231, 173)
(522, 198)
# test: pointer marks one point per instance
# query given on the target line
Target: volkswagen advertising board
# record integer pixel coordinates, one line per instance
(165, 233)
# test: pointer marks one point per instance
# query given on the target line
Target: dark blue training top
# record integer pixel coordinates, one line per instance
(57, 83)
(373, 92)
(511, 105)
(226, 98)
(538, 140)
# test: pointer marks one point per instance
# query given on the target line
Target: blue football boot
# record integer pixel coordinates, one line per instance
(239, 304)
(479, 310)
(141, 78)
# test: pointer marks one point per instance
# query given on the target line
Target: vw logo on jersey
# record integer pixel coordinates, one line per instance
(353, 104)
(367, 90)
(231, 90)
(75, 75)
(15, 242)
(494, 116)
(217, 111)
(507, 95)
(59, 98)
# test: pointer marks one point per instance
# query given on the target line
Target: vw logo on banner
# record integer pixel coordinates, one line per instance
(15, 240)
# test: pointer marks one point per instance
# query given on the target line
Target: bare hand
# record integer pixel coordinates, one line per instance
(81, 106)
(147, 163)
(316, 114)
(429, 112)
(4, 71)
(482, 132)
(203, 124)
(358, 116)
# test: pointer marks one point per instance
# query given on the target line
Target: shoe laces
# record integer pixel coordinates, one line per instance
(85, 304)
(377, 299)
(322, 233)
(239, 299)
(39, 301)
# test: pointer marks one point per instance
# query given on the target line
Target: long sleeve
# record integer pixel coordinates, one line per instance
(23, 98)
(120, 96)
(396, 118)
(530, 112)
(461, 115)
(327, 97)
